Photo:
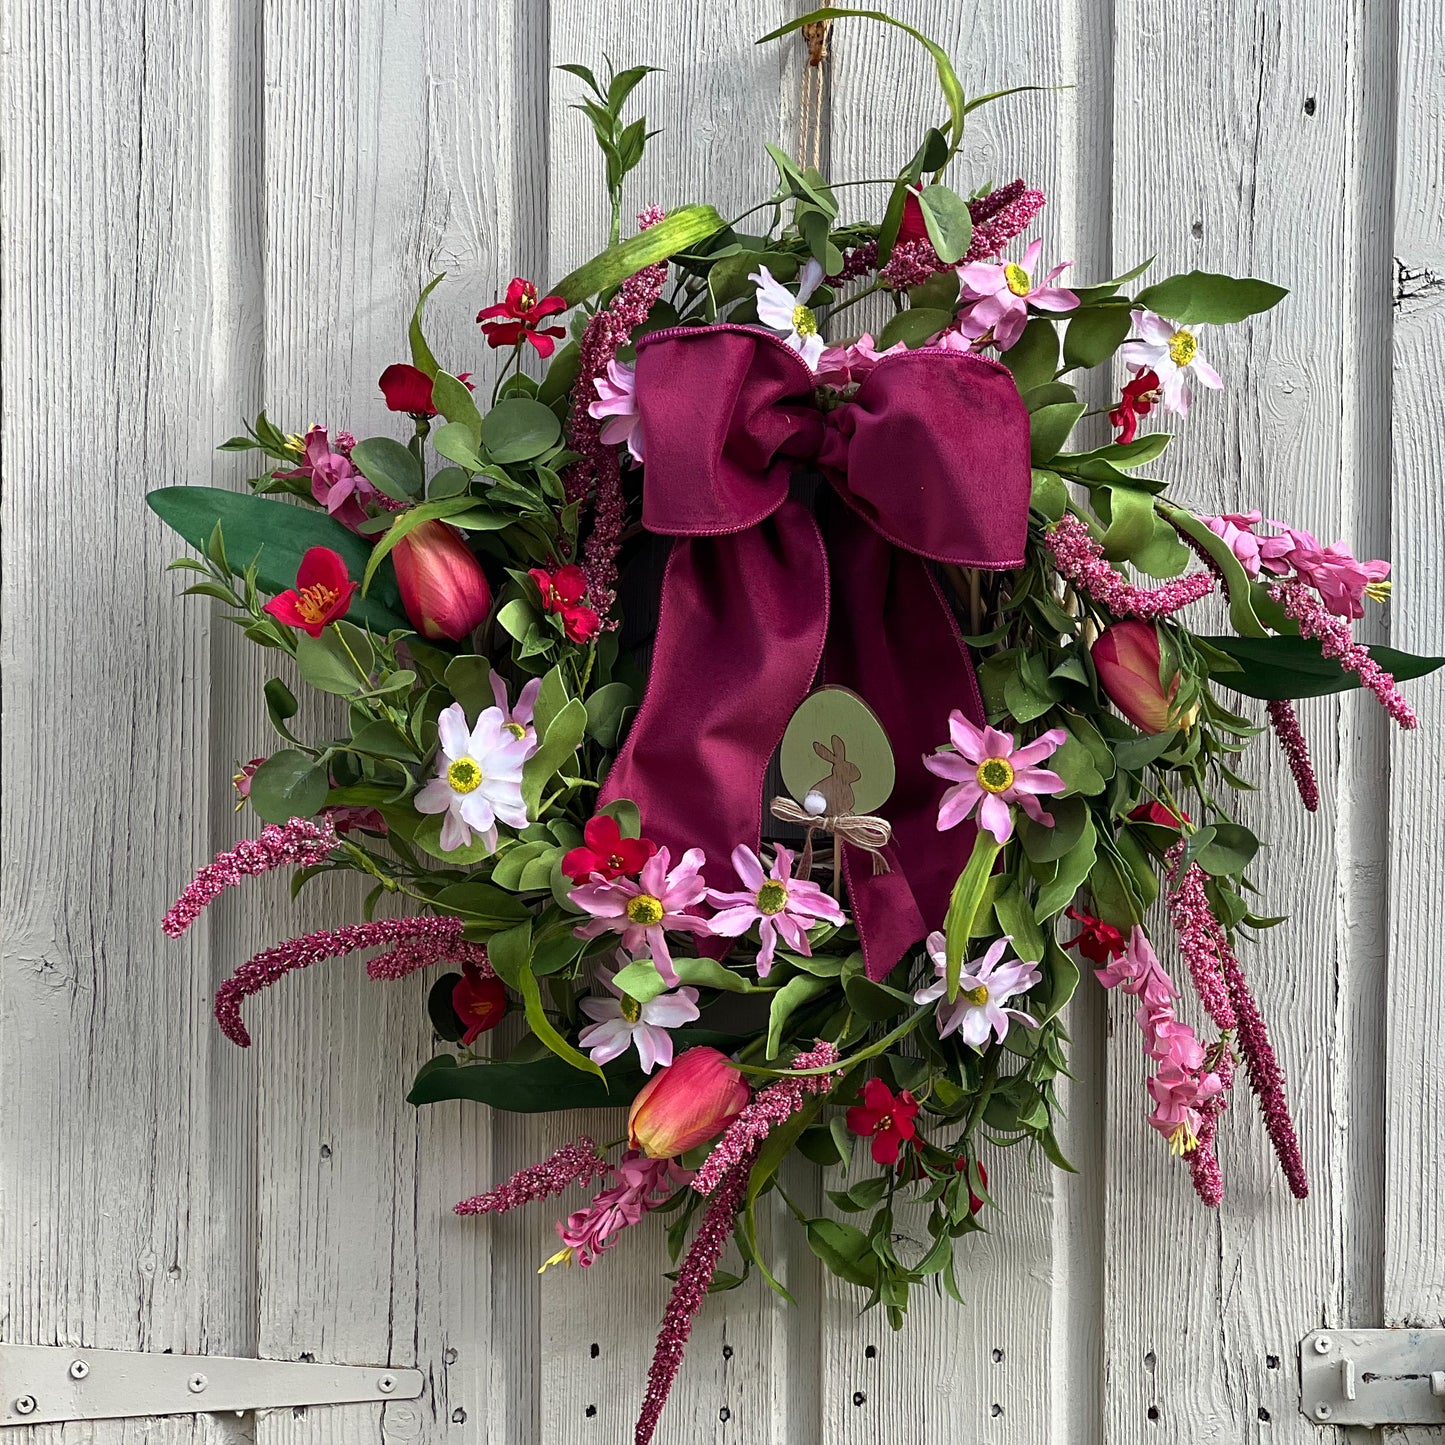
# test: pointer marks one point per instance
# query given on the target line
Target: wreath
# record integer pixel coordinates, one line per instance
(785, 858)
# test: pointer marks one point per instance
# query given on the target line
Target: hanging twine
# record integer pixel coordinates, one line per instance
(810, 104)
(863, 830)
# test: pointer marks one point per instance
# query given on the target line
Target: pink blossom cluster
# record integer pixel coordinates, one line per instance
(769, 1108)
(578, 1162)
(1183, 1087)
(336, 481)
(1335, 640)
(1199, 935)
(1080, 560)
(1285, 722)
(298, 843)
(1203, 1159)
(688, 1293)
(415, 941)
(642, 1184)
(598, 472)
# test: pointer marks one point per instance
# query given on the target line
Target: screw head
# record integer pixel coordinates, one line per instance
(1322, 1344)
(79, 1369)
(1323, 1411)
(25, 1405)
(386, 1384)
(197, 1383)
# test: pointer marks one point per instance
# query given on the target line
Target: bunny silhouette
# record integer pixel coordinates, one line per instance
(832, 796)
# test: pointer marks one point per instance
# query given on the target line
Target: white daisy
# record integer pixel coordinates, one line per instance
(479, 777)
(1172, 353)
(781, 310)
(622, 1022)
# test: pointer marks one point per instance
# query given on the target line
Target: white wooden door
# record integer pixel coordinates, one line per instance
(211, 207)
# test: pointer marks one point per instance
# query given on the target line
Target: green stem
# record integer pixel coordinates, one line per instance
(842, 306)
(871, 1052)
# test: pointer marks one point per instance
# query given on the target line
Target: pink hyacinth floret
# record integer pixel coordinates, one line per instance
(416, 943)
(1081, 560)
(298, 843)
(769, 1108)
(579, 1162)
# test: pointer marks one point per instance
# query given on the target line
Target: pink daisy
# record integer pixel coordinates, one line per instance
(997, 297)
(622, 1021)
(782, 906)
(984, 987)
(990, 773)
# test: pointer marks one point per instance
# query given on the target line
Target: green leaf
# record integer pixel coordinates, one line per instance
(469, 680)
(492, 908)
(421, 356)
(1034, 357)
(276, 535)
(1075, 764)
(408, 521)
(389, 466)
(454, 400)
(519, 429)
(323, 662)
(605, 709)
(510, 952)
(1092, 295)
(1207, 299)
(709, 973)
(845, 1249)
(1049, 495)
(442, 1012)
(561, 375)
(1094, 334)
(558, 746)
(677, 231)
(1048, 845)
(792, 996)
(913, 327)
(460, 442)
(1070, 872)
(281, 706)
(727, 280)
(641, 980)
(965, 903)
(1229, 852)
(1136, 453)
(874, 1001)
(542, 1028)
(289, 784)
(1273, 668)
(1131, 521)
(1049, 429)
(384, 740)
(1016, 920)
(947, 219)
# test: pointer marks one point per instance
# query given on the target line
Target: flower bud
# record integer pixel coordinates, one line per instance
(686, 1104)
(443, 587)
(1127, 659)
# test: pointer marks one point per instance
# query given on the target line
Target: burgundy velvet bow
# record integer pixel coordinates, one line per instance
(930, 459)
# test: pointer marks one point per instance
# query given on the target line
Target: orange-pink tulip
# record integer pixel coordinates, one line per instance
(686, 1104)
(443, 587)
(1127, 659)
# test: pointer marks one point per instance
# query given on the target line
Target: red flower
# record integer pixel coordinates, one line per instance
(322, 593)
(1099, 942)
(912, 227)
(408, 389)
(886, 1118)
(607, 852)
(1158, 813)
(479, 1002)
(562, 592)
(442, 585)
(522, 310)
(974, 1202)
(1138, 400)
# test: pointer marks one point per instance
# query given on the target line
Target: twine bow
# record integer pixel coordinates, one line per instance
(863, 830)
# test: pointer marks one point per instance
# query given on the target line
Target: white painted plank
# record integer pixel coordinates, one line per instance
(1414, 1266)
(1244, 143)
(124, 1158)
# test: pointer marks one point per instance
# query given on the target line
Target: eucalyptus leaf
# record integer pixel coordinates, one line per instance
(914, 327)
(389, 467)
(1206, 298)
(289, 784)
(519, 429)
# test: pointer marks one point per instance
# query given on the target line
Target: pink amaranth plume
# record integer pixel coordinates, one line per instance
(1203, 1158)
(1080, 560)
(771, 1106)
(579, 1162)
(298, 843)
(418, 941)
(598, 472)
(1333, 635)
(1285, 722)
(689, 1292)
(1200, 937)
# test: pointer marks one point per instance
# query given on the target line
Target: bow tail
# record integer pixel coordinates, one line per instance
(894, 641)
(739, 638)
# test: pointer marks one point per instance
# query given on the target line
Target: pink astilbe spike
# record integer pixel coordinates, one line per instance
(769, 1108)
(1081, 560)
(1285, 722)
(1203, 1158)
(298, 843)
(1199, 937)
(416, 941)
(1336, 641)
(579, 1162)
(689, 1292)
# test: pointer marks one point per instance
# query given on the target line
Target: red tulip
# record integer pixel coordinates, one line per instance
(322, 593)
(1127, 659)
(443, 587)
(686, 1104)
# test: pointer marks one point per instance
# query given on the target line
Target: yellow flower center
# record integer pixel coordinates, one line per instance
(563, 1256)
(1017, 279)
(772, 897)
(1183, 347)
(315, 601)
(804, 322)
(464, 776)
(995, 775)
(977, 995)
(515, 728)
(1378, 591)
(644, 909)
(631, 1009)
(1183, 1139)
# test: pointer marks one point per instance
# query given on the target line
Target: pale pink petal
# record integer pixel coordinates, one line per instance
(601, 1009)
(957, 803)
(606, 1041)
(455, 833)
(647, 1041)
(1042, 747)
(1032, 252)
(951, 766)
(435, 797)
(768, 933)
(981, 278)
(996, 817)
(1207, 375)
(997, 744)
(671, 1010)
(1037, 780)
(966, 737)
(748, 867)
(452, 731)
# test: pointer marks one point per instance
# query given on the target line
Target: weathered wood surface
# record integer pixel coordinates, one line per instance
(208, 209)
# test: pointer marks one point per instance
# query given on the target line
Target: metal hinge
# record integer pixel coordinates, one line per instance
(1373, 1377)
(49, 1383)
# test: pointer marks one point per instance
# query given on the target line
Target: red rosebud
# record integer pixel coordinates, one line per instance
(689, 1102)
(443, 587)
(323, 592)
(912, 227)
(409, 389)
(1127, 659)
(607, 852)
(1154, 812)
(522, 310)
(1098, 941)
(479, 1002)
(886, 1118)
